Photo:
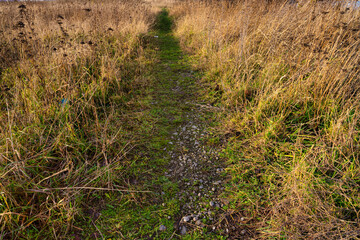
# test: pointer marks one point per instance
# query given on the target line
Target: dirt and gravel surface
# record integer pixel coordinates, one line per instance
(197, 170)
(195, 164)
(192, 151)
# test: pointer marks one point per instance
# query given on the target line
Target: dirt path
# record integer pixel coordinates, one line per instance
(194, 165)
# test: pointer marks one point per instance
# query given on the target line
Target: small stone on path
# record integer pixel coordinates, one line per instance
(162, 228)
(183, 230)
(187, 218)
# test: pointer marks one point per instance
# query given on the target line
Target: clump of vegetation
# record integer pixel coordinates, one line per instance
(71, 80)
(287, 77)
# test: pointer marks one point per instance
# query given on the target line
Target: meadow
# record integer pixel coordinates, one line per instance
(71, 76)
(87, 106)
(286, 78)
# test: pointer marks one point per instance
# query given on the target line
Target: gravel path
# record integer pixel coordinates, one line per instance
(194, 164)
(195, 168)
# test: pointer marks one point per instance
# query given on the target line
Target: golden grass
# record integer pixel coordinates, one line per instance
(68, 72)
(160, 3)
(288, 76)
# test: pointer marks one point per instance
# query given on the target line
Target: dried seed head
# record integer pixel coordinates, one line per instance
(22, 6)
(20, 24)
(5, 88)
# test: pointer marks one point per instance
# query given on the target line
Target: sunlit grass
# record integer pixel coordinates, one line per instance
(71, 72)
(287, 77)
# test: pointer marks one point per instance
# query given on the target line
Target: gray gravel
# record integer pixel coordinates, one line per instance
(197, 170)
(162, 228)
(183, 230)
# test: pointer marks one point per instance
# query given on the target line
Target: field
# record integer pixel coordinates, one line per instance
(96, 98)
(288, 78)
(72, 74)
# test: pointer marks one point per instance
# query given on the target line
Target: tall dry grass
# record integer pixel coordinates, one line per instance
(287, 76)
(160, 3)
(69, 72)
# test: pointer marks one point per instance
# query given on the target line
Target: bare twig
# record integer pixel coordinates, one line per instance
(64, 170)
(84, 188)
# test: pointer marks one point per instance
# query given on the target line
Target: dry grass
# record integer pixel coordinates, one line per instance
(69, 70)
(288, 76)
(160, 3)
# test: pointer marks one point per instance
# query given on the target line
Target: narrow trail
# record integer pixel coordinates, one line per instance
(176, 175)
(194, 166)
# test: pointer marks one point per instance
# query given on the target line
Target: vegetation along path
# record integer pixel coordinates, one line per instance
(107, 131)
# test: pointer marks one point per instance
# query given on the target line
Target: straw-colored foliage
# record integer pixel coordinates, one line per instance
(73, 76)
(287, 76)
(69, 71)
